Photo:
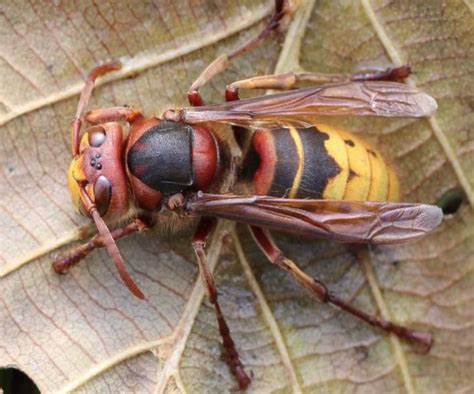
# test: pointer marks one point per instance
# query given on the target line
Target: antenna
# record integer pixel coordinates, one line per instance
(84, 99)
(90, 207)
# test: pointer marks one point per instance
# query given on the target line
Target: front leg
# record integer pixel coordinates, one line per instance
(80, 252)
(113, 114)
(205, 227)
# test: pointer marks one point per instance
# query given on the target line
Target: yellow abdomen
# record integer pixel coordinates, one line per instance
(364, 175)
(320, 162)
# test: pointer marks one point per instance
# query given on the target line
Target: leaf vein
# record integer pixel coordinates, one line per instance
(397, 60)
(267, 315)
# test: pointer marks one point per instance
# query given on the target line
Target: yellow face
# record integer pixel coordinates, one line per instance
(75, 174)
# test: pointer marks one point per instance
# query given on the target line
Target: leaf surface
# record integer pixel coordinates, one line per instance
(85, 332)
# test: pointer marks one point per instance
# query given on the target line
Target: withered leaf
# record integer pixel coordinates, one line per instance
(84, 331)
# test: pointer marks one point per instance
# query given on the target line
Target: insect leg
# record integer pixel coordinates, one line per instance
(205, 227)
(274, 254)
(113, 114)
(290, 80)
(77, 254)
(221, 63)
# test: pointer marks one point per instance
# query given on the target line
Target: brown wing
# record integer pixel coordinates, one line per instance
(346, 221)
(373, 98)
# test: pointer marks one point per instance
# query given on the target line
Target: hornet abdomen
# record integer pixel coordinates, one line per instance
(318, 162)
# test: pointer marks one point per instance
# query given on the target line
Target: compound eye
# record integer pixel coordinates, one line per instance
(96, 136)
(102, 194)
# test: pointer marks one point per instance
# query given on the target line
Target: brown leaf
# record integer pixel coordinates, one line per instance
(84, 331)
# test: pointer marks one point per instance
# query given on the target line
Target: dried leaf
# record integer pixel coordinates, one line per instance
(84, 332)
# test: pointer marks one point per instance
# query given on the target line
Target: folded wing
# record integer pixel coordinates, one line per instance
(346, 221)
(372, 98)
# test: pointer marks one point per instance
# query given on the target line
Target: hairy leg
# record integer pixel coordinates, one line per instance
(221, 63)
(290, 80)
(274, 254)
(205, 227)
(113, 114)
(80, 252)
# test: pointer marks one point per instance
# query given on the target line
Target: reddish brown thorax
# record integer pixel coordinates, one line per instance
(164, 158)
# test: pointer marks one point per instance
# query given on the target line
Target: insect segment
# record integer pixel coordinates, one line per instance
(318, 162)
(304, 178)
(169, 158)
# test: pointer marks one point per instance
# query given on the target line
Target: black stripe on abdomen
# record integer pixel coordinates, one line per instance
(319, 166)
(286, 165)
